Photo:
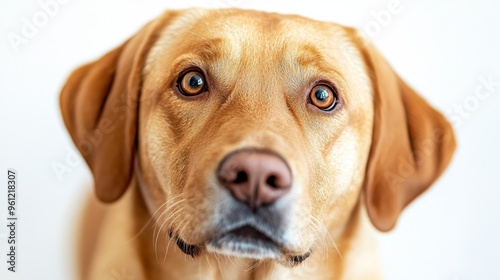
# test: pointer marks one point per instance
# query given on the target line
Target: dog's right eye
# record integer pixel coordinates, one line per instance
(324, 97)
(192, 83)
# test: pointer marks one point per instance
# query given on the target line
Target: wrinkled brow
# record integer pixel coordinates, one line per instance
(307, 59)
(209, 50)
(309, 55)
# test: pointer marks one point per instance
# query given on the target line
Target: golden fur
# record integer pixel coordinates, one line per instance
(353, 168)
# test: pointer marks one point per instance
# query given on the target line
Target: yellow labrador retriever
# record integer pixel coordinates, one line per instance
(246, 145)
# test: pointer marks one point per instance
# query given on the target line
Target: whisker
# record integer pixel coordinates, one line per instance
(171, 206)
(326, 235)
(163, 224)
(156, 235)
(147, 222)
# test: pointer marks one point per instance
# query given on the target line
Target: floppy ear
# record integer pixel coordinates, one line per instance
(99, 105)
(412, 142)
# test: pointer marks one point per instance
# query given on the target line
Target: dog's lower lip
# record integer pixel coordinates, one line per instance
(248, 232)
(301, 258)
(245, 241)
(188, 249)
(192, 250)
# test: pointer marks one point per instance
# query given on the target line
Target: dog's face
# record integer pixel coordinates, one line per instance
(255, 132)
(226, 109)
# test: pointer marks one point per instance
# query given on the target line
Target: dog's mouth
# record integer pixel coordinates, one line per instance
(245, 241)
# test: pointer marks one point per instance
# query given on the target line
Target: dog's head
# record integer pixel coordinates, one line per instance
(249, 131)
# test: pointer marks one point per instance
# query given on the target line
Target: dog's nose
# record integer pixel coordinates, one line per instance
(256, 178)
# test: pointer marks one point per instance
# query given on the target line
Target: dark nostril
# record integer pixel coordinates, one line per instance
(241, 177)
(271, 181)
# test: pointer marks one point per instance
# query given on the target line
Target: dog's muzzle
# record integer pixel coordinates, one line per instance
(250, 223)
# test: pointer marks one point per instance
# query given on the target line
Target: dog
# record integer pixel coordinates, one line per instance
(235, 144)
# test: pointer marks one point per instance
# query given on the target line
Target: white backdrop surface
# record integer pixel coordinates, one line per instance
(445, 49)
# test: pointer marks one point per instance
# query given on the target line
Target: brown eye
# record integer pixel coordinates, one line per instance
(192, 83)
(323, 97)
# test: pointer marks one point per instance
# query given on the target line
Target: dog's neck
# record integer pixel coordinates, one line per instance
(353, 256)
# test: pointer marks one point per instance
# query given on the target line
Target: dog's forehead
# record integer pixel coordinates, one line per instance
(257, 33)
(232, 34)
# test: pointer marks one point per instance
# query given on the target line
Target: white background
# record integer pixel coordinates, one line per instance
(442, 48)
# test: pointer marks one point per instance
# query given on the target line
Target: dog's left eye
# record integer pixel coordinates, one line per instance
(324, 97)
(192, 83)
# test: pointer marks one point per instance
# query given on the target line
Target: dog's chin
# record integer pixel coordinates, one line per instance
(245, 242)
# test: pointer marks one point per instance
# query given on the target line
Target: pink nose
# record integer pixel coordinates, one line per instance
(256, 178)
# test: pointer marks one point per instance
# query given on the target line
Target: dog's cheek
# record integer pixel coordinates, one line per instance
(343, 182)
(154, 151)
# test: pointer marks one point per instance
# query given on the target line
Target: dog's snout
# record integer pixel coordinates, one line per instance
(256, 178)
